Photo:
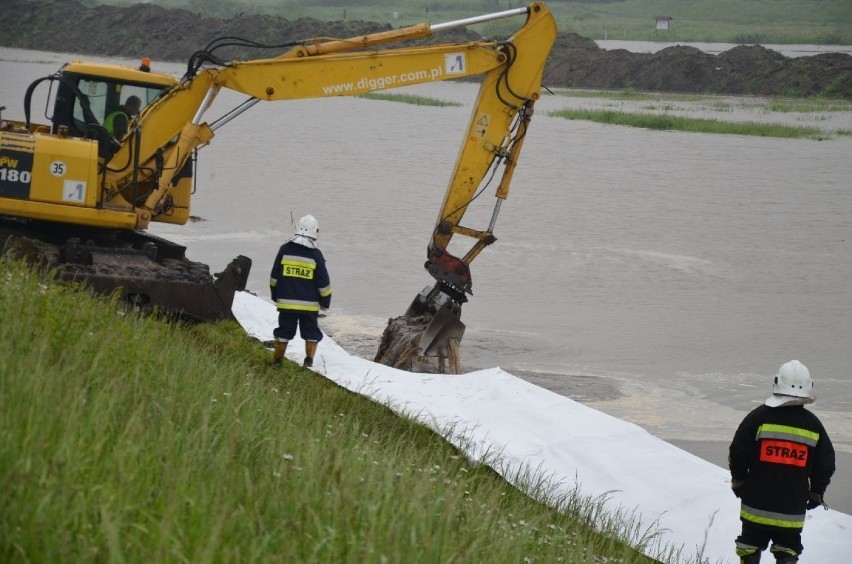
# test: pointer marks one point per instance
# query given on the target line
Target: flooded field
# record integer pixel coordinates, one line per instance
(654, 275)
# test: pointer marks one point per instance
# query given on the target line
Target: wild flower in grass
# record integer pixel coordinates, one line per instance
(288, 456)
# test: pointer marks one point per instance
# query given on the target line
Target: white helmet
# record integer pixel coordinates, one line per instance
(308, 226)
(792, 381)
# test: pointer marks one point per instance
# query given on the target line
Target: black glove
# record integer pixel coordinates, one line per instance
(814, 500)
(737, 486)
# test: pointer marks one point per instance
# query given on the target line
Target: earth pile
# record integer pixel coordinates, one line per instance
(147, 30)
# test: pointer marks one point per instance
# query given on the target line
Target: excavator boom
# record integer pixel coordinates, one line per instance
(74, 179)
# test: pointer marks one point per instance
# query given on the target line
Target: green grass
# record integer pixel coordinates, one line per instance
(780, 105)
(408, 99)
(629, 95)
(663, 121)
(726, 21)
(812, 105)
(127, 438)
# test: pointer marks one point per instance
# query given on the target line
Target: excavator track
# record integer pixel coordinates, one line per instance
(148, 272)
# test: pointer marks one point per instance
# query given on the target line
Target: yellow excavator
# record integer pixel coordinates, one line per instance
(77, 198)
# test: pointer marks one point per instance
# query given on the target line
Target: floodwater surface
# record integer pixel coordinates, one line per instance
(658, 276)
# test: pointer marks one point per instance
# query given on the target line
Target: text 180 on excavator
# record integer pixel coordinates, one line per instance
(77, 198)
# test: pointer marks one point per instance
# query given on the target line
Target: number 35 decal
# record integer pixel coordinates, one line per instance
(57, 169)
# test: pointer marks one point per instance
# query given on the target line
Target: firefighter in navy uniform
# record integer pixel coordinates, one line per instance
(781, 462)
(300, 287)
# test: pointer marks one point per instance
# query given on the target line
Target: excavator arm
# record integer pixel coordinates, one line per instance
(173, 125)
(274, 80)
(124, 184)
(492, 145)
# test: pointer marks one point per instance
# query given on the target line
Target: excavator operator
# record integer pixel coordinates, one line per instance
(118, 121)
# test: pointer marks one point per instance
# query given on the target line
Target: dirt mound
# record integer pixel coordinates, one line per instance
(743, 70)
(575, 62)
(159, 33)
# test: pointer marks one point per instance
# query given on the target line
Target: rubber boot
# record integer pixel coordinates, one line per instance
(278, 355)
(784, 555)
(753, 558)
(785, 558)
(310, 351)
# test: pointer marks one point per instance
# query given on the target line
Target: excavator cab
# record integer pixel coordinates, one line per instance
(55, 205)
(88, 93)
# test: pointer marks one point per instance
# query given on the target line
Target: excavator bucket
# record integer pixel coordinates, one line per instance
(445, 329)
(426, 338)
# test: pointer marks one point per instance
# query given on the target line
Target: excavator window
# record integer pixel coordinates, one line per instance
(83, 103)
(95, 94)
(101, 95)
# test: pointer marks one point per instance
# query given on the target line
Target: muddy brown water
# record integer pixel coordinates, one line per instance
(660, 277)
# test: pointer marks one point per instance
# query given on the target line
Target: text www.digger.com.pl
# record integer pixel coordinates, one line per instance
(384, 81)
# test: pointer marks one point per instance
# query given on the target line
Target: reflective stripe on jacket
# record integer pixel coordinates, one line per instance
(109, 122)
(772, 518)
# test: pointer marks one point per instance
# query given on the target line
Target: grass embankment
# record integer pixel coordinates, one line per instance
(408, 99)
(777, 104)
(658, 114)
(695, 125)
(124, 437)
